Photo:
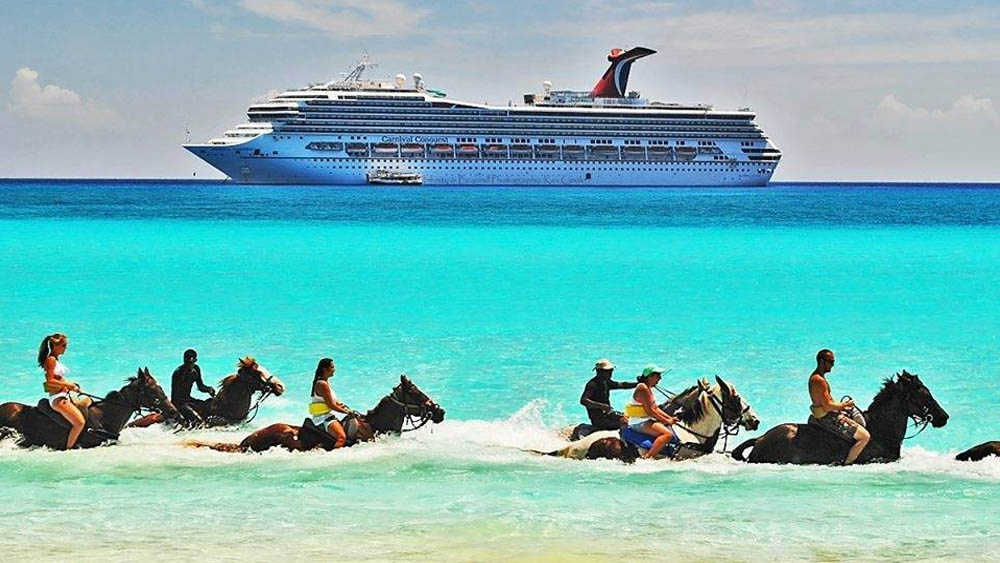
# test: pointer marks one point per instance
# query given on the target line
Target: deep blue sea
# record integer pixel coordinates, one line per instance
(497, 302)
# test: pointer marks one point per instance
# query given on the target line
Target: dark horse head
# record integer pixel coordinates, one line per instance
(257, 378)
(920, 404)
(405, 402)
(147, 393)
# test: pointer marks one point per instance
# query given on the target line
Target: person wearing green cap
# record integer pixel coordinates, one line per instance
(645, 416)
(596, 397)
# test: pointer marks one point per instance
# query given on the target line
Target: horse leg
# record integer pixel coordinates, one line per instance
(284, 435)
(146, 421)
(612, 448)
(979, 452)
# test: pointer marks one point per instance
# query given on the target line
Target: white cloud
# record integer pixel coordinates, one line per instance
(29, 99)
(343, 18)
(777, 33)
(966, 110)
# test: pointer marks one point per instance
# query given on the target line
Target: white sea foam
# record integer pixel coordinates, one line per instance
(534, 427)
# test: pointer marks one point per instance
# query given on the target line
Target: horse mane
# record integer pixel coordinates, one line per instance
(225, 381)
(687, 400)
(886, 393)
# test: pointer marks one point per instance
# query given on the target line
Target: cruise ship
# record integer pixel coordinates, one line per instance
(350, 130)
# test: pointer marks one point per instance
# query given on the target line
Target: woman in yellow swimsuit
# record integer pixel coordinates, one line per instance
(324, 405)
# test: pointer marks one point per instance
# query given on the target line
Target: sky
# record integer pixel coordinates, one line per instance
(849, 90)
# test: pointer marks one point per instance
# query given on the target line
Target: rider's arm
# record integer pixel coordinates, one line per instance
(327, 393)
(52, 379)
(819, 392)
(622, 384)
(646, 398)
(201, 384)
(586, 401)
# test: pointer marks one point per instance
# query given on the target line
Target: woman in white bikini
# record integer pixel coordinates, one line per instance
(57, 386)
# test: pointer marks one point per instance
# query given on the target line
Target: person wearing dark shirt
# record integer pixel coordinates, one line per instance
(597, 397)
(183, 378)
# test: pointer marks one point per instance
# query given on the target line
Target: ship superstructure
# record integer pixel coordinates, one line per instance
(344, 131)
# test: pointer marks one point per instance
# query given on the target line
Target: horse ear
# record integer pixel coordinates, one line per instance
(145, 370)
(403, 378)
(723, 385)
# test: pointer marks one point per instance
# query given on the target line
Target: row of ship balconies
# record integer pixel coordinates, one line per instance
(513, 151)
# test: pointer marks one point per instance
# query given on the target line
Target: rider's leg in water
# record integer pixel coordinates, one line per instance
(861, 437)
(337, 431)
(663, 437)
(72, 414)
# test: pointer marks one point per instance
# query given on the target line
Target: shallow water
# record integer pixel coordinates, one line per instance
(497, 302)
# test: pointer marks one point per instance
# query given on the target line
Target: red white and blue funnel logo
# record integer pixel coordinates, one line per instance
(615, 79)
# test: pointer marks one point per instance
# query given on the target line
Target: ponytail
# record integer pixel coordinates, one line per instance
(320, 368)
(45, 349)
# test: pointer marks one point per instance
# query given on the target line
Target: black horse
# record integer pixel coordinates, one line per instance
(230, 406)
(42, 426)
(405, 402)
(979, 452)
(902, 397)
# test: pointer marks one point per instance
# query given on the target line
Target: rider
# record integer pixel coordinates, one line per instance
(58, 387)
(645, 415)
(596, 397)
(325, 403)
(186, 375)
(831, 415)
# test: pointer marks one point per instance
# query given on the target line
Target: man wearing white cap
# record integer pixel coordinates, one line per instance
(597, 397)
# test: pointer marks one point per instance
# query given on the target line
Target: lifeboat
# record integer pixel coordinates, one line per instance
(412, 149)
(632, 152)
(603, 152)
(520, 151)
(386, 148)
(357, 149)
(572, 152)
(686, 153)
(441, 150)
(547, 151)
(657, 152)
(467, 151)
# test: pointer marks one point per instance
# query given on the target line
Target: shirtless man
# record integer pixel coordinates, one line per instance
(831, 415)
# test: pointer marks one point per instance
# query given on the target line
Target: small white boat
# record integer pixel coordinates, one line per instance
(394, 177)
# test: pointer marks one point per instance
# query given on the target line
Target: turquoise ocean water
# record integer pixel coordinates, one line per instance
(497, 302)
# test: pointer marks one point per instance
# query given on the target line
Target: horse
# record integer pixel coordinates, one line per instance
(231, 405)
(979, 452)
(902, 397)
(702, 410)
(42, 426)
(406, 402)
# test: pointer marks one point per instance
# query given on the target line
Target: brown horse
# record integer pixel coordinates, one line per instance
(902, 397)
(232, 403)
(405, 402)
(42, 426)
(976, 453)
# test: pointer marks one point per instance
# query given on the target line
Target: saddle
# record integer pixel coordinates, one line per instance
(645, 441)
(311, 436)
(46, 410)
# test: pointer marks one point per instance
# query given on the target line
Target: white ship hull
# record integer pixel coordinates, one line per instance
(285, 167)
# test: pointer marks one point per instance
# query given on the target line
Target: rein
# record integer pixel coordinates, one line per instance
(727, 429)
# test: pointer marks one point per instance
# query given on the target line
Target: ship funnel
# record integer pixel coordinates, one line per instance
(615, 79)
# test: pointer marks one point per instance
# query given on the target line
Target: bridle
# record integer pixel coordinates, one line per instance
(138, 407)
(266, 390)
(416, 420)
(729, 427)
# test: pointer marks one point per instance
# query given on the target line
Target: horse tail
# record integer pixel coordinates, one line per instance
(217, 446)
(554, 453)
(738, 452)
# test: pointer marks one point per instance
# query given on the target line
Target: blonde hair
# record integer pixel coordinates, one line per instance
(48, 343)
